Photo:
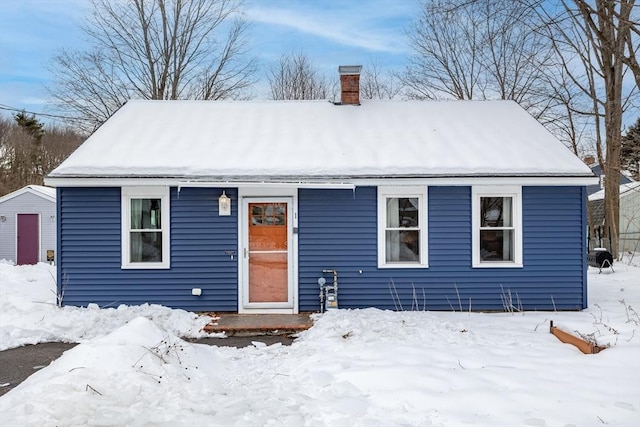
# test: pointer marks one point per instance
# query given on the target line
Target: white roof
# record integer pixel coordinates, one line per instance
(625, 189)
(245, 140)
(39, 190)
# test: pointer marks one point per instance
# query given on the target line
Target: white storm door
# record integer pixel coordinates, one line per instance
(267, 256)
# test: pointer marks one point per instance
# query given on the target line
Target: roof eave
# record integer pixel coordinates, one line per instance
(361, 180)
(27, 189)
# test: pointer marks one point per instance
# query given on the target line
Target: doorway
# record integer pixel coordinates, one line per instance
(28, 239)
(267, 255)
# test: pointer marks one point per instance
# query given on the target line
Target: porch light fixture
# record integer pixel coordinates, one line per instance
(224, 205)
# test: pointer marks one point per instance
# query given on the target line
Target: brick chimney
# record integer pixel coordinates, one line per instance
(350, 84)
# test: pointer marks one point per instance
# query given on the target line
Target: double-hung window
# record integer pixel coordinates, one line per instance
(145, 227)
(402, 227)
(497, 226)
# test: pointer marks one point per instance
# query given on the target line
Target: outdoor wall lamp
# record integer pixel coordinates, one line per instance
(224, 205)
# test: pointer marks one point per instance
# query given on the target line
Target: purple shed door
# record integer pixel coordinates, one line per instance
(28, 240)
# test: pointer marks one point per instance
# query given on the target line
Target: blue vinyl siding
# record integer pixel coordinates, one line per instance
(90, 239)
(337, 230)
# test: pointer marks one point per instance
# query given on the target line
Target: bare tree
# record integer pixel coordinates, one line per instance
(154, 49)
(89, 89)
(515, 56)
(594, 43)
(294, 77)
(57, 144)
(575, 117)
(482, 49)
(563, 121)
(446, 61)
(377, 84)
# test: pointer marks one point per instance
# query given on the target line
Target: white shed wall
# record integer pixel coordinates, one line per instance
(630, 220)
(27, 203)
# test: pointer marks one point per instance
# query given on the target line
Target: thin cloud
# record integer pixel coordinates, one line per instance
(345, 27)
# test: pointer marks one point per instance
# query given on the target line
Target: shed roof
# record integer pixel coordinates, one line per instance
(47, 193)
(629, 189)
(243, 140)
(596, 201)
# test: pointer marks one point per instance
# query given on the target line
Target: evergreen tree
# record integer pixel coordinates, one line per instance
(31, 125)
(630, 150)
(35, 130)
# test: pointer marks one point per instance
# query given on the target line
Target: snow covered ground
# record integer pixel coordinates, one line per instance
(352, 368)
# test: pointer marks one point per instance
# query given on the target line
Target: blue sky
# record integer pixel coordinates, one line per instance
(330, 32)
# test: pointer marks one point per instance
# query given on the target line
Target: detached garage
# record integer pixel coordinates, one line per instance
(28, 225)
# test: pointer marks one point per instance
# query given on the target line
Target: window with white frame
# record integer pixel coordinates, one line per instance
(497, 226)
(145, 227)
(402, 227)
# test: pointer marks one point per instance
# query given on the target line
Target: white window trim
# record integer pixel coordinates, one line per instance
(497, 191)
(403, 191)
(128, 193)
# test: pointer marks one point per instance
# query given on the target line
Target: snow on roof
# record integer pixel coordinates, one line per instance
(317, 139)
(39, 190)
(624, 189)
(47, 191)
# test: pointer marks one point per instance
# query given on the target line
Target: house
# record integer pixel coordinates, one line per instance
(597, 170)
(244, 206)
(628, 222)
(28, 225)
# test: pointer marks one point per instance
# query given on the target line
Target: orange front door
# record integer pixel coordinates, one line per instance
(268, 252)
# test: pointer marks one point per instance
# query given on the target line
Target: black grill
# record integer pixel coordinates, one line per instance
(600, 259)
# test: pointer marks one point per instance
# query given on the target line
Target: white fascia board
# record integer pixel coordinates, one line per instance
(336, 183)
(181, 183)
(249, 184)
(470, 181)
(109, 182)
